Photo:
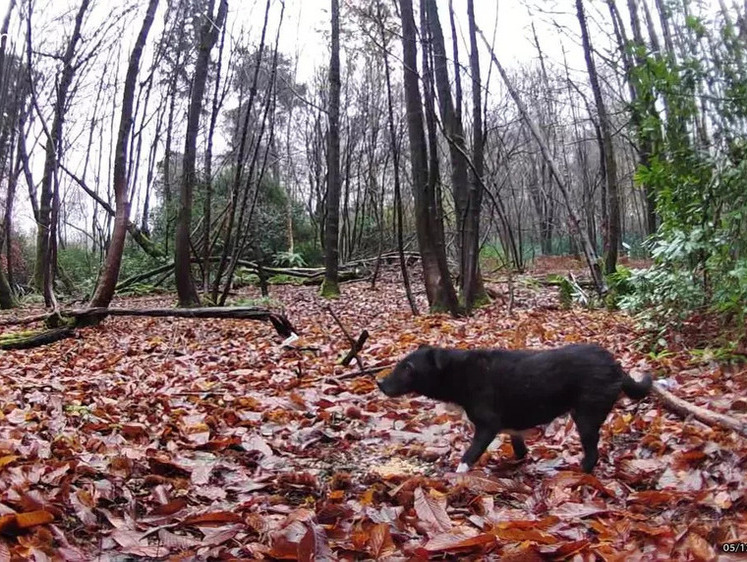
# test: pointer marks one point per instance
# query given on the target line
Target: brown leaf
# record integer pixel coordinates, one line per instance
(177, 542)
(380, 543)
(82, 510)
(314, 546)
(170, 508)
(7, 459)
(457, 542)
(570, 479)
(699, 548)
(213, 518)
(571, 510)
(565, 550)
(14, 523)
(515, 534)
(432, 511)
(478, 483)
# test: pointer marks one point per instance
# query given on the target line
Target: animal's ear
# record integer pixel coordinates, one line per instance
(424, 346)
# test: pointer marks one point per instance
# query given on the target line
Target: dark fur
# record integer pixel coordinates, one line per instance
(507, 391)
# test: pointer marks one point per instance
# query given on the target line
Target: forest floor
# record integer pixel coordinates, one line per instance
(195, 439)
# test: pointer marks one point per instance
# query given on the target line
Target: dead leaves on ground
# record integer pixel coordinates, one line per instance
(177, 439)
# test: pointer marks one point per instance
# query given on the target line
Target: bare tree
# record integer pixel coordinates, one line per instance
(110, 271)
(185, 285)
(438, 285)
(589, 252)
(330, 287)
(609, 170)
(46, 240)
(472, 285)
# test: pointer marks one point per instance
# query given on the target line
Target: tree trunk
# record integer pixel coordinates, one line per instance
(612, 228)
(45, 267)
(642, 104)
(399, 227)
(208, 203)
(472, 285)
(464, 191)
(110, 271)
(439, 288)
(185, 286)
(330, 287)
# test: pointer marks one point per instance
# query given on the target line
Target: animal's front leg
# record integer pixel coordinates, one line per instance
(483, 437)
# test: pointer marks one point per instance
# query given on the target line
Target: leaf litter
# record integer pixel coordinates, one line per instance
(178, 439)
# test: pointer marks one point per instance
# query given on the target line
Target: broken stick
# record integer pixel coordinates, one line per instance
(355, 346)
(685, 409)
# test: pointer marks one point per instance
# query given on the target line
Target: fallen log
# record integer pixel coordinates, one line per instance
(24, 320)
(310, 275)
(36, 340)
(89, 316)
(685, 409)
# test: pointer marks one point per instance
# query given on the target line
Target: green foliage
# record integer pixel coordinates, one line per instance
(619, 284)
(698, 177)
(244, 277)
(284, 280)
(140, 290)
(80, 265)
(261, 302)
(289, 259)
(311, 251)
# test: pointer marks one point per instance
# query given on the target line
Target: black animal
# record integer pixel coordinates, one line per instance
(511, 390)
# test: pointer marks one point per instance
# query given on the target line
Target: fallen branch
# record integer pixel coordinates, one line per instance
(281, 324)
(25, 320)
(310, 275)
(355, 349)
(36, 340)
(366, 372)
(353, 343)
(89, 316)
(685, 409)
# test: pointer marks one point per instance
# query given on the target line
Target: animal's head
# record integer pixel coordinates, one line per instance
(418, 373)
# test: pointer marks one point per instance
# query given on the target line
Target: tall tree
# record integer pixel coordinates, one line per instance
(464, 194)
(185, 285)
(46, 238)
(110, 270)
(472, 285)
(330, 287)
(609, 169)
(642, 103)
(12, 110)
(438, 285)
(394, 146)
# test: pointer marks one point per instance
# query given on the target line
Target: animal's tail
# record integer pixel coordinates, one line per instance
(633, 388)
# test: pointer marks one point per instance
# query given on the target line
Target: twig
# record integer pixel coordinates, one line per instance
(366, 372)
(350, 339)
(357, 346)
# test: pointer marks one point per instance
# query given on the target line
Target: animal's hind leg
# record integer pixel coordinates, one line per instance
(588, 424)
(517, 442)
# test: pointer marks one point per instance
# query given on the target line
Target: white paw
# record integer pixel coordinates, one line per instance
(462, 468)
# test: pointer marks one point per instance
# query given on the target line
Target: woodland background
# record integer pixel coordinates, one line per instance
(412, 188)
